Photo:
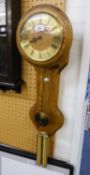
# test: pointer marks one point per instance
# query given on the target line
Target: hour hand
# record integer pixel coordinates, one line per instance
(35, 39)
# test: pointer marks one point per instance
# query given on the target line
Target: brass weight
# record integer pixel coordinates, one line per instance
(42, 149)
(45, 150)
(39, 149)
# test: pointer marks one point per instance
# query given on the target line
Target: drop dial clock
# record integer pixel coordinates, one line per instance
(44, 38)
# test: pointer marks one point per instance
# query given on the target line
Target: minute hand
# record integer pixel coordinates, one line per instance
(34, 40)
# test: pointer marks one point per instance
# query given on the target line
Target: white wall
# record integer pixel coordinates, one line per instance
(73, 86)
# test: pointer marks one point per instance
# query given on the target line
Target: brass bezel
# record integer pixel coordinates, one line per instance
(62, 19)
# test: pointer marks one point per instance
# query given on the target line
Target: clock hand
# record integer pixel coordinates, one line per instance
(34, 40)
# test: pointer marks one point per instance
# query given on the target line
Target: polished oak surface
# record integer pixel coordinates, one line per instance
(44, 37)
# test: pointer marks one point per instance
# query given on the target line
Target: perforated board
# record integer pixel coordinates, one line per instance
(16, 128)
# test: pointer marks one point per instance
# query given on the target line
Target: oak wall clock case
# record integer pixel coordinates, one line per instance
(44, 37)
(10, 62)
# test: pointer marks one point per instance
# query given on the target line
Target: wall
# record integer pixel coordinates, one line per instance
(70, 81)
(73, 86)
(71, 94)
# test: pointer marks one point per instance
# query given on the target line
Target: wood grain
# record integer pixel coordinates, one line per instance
(48, 72)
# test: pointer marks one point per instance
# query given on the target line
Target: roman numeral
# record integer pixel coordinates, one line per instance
(40, 21)
(48, 21)
(40, 56)
(54, 27)
(26, 45)
(32, 52)
(57, 39)
(54, 46)
(48, 54)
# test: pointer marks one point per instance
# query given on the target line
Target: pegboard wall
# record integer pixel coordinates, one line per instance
(16, 128)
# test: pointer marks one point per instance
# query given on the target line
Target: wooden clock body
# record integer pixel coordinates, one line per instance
(45, 114)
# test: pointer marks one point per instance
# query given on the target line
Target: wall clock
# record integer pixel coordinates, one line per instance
(44, 38)
(10, 64)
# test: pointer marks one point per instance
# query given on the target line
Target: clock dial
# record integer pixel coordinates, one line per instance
(41, 37)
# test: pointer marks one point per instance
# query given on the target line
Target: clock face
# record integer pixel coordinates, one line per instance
(41, 36)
